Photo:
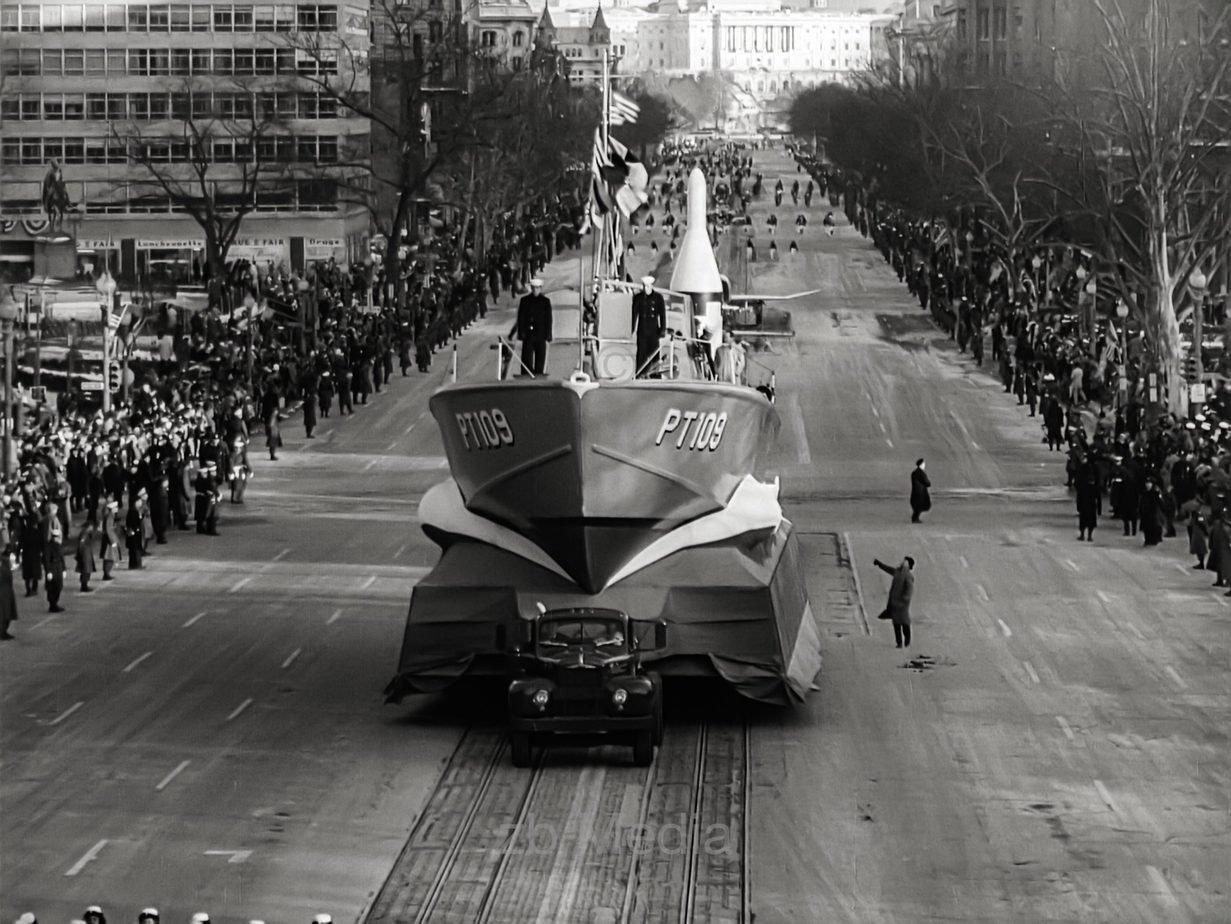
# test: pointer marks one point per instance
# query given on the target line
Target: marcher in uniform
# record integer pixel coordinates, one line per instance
(86, 565)
(8, 599)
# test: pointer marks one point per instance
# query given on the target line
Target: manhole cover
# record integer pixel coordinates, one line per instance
(926, 663)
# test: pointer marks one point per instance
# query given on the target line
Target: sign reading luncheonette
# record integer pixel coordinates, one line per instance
(183, 243)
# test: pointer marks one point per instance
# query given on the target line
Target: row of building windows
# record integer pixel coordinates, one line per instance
(180, 17)
(155, 107)
(759, 38)
(168, 62)
(104, 198)
(281, 149)
(488, 38)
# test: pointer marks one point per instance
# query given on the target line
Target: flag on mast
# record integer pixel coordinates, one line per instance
(623, 110)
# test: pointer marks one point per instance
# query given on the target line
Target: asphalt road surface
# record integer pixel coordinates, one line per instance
(209, 734)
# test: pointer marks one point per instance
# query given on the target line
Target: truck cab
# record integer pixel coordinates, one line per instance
(577, 671)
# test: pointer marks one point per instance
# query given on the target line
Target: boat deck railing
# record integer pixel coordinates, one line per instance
(731, 365)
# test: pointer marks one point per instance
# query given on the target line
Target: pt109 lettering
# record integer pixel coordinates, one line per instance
(487, 429)
(693, 429)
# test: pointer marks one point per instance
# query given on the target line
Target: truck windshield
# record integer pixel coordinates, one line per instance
(581, 633)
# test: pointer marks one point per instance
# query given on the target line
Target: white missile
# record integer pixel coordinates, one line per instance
(696, 270)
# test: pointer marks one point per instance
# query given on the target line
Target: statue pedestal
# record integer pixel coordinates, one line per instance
(55, 257)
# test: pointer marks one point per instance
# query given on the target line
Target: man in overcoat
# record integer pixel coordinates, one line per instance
(901, 590)
(920, 497)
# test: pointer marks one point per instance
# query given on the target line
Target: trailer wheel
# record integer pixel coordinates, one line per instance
(643, 748)
(521, 749)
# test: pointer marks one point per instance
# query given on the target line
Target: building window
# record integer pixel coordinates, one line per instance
(983, 20)
(201, 18)
(1000, 15)
(518, 36)
(488, 38)
(517, 63)
(74, 62)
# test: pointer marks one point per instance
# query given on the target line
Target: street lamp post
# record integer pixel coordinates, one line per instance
(1037, 263)
(1122, 315)
(106, 293)
(1092, 313)
(249, 304)
(1198, 281)
(8, 314)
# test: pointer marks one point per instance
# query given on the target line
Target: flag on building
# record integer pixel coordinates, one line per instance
(623, 110)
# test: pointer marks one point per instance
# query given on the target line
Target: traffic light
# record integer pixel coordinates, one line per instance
(113, 377)
(1190, 368)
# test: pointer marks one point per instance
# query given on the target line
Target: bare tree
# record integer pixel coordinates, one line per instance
(224, 154)
(416, 85)
(1142, 128)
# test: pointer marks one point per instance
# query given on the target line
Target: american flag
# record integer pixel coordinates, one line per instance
(623, 110)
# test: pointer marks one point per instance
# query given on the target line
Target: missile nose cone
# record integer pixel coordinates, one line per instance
(696, 270)
(697, 195)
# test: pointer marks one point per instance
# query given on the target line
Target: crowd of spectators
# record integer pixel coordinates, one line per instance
(95, 487)
(1093, 387)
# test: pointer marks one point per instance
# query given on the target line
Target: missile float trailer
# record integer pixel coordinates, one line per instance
(597, 489)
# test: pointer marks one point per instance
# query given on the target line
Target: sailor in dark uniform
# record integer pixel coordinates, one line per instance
(649, 322)
(533, 328)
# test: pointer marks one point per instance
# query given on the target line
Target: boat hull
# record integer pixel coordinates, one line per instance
(593, 473)
(735, 610)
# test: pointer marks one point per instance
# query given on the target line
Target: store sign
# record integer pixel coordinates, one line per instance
(96, 243)
(258, 249)
(322, 248)
(184, 243)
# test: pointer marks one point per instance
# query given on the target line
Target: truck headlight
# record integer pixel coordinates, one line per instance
(541, 697)
(619, 697)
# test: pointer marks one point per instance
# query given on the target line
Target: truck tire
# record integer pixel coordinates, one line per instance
(643, 748)
(521, 749)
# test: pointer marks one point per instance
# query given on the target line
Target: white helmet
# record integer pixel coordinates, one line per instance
(322, 919)
(200, 918)
(148, 914)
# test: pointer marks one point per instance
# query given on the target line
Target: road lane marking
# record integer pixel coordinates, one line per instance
(368, 583)
(1221, 598)
(195, 618)
(238, 585)
(875, 412)
(240, 708)
(237, 856)
(1065, 727)
(370, 464)
(406, 432)
(889, 442)
(401, 549)
(392, 446)
(1034, 677)
(982, 591)
(166, 780)
(975, 446)
(337, 614)
(1004, 627)
(281, 555)
(1105, 796)
(1070, 564)
(1102, 595)
(290, 659)
(1162, 886)
(66, 713)
(1180, 568)
(1175, 676)
(131, 667)
(1132, 627)
(42, 622)
(90, 855)
(962, 559)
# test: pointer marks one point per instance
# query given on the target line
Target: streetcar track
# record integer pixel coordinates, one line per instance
(472, 856)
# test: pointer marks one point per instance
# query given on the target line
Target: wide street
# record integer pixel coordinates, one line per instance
(210, 734)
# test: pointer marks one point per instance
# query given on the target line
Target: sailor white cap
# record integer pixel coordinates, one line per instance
(322, 919)
(537, 281)
(200, 918)
(648, 280)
